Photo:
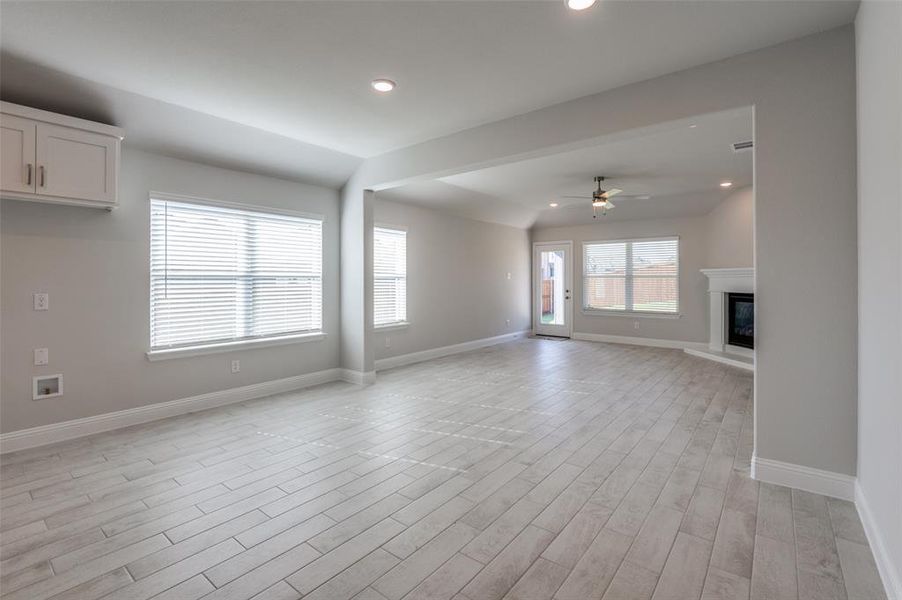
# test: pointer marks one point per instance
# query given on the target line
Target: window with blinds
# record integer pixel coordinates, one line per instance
(389, 276)
(632, 275)
(220, 274)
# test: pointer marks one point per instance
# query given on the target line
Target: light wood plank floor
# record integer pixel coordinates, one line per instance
(535, 469)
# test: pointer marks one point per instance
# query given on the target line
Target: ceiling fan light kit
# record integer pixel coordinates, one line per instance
(600, 198)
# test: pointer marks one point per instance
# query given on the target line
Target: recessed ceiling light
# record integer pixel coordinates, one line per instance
(580, 4)
(552, 204)
(383, 85)
(693, 126)
(726, 184)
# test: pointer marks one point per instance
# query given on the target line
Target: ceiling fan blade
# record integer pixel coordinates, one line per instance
(578, 197)
(636, 196)
(611, 192)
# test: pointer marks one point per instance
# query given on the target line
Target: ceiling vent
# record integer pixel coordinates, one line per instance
(743, 146)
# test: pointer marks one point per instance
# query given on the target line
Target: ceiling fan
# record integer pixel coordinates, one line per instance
(601, 199)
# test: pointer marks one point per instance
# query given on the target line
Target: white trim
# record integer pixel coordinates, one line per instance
(391, 326)
(636, 341)
(228, 204)
(827, 483)
(67, 430)
(415, 357)
(721, 358)
(358, 377)
(889, 570)
(665, 238)
(390, 227)
(638, 314)
(168, 353)
(729, 273)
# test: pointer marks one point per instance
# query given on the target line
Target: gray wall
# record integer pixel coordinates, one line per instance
(692, 325)
(457, 285)
(94, 264)
(803, 93)
(879, 40)
(731, 228)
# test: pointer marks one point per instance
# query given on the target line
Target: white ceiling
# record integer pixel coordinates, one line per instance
(301, 70)
(679, 166)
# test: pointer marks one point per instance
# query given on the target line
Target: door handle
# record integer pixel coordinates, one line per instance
(28, 175)
(43, 176)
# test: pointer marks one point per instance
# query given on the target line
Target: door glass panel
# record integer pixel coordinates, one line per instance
(552, 292)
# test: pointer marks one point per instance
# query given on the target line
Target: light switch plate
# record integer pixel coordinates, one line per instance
(41, 356)
(42, 301)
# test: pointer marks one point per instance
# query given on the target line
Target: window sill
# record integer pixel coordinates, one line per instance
(632, 314)
(155, 355)
(391, 326)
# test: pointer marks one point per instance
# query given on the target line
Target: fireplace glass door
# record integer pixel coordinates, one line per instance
(741, 320)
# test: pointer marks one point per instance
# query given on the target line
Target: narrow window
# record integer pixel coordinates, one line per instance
(389, 276)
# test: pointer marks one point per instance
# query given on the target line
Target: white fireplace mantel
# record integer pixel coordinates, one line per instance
(739, 280)
(720, 283)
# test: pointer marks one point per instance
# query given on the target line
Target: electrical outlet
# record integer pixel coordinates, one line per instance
(236, 366)
(388, 342)
(508, 275)
(41, 356)
(42, 301)
(508, 321)
(635, 324)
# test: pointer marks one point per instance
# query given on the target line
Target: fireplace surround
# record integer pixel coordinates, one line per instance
(722, 347)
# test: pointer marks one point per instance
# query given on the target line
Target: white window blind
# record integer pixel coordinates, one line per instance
(632, 275)
(389, 276)
(220, 274)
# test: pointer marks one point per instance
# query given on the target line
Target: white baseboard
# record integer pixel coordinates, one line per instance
(888, 569)
(637, 341)
(415, 357)
(721, 357)
(68, 430)
(827, 483)
(358, 377)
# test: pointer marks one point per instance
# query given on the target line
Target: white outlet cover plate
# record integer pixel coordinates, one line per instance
(42, 301)
(41, 356)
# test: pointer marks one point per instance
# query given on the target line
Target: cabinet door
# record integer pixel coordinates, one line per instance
(17, 163)
(76, 164)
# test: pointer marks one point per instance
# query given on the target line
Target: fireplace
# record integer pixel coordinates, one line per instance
(731, 322)
(741, 319)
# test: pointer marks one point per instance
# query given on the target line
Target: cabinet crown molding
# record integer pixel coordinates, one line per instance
(45, 116)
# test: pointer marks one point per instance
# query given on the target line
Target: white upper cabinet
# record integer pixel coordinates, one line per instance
(17, 154)
(76, 164)
(54, 158)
